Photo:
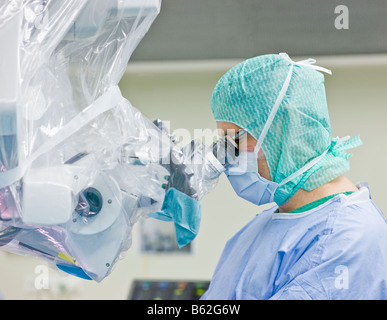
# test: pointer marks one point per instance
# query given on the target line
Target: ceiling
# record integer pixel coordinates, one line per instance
(238, 29)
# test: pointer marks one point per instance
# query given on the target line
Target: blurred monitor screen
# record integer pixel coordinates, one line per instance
(167, 290)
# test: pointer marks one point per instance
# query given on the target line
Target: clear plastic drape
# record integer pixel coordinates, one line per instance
(79, 165)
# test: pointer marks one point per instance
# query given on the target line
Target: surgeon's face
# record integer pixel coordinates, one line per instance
(245, 144)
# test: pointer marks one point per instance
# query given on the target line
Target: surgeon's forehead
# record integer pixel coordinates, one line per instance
(227, 128)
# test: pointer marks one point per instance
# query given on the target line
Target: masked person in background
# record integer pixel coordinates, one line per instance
(325, 238)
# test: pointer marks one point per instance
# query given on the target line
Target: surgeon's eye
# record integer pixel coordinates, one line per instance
(240, 138)
(237, 141)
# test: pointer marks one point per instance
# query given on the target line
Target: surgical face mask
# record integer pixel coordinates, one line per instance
(248, 183)
(244, 178)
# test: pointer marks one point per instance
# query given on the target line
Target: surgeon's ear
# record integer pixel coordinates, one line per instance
(263, 167)
(261, 155)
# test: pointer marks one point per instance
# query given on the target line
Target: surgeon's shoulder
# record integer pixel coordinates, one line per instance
(361, 222)
(356, 245)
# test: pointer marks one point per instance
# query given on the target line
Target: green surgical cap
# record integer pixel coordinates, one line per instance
(300, 131)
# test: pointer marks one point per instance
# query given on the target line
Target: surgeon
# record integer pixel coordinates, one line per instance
(324, 238)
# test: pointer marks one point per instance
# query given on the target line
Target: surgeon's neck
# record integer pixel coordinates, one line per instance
(303, 197)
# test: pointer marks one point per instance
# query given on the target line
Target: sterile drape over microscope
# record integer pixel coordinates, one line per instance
(79, 165)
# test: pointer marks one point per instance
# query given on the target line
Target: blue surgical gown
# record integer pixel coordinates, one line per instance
(337, 250)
